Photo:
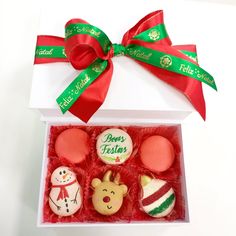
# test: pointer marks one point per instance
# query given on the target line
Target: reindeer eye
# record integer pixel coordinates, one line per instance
(113, 192)
(104, 190)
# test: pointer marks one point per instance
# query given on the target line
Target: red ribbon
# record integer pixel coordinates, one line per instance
(63, 192)
(82, 50)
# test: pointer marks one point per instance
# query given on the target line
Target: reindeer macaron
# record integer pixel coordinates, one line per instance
(108, 195)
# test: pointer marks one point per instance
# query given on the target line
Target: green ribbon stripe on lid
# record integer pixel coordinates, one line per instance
(50, 52)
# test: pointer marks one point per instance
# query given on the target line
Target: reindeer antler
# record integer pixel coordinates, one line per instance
(107, 176)
(117, 179)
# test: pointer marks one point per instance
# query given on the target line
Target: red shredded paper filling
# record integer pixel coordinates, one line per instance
(130, 172)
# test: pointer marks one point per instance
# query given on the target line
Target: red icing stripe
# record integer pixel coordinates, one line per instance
(156, 195)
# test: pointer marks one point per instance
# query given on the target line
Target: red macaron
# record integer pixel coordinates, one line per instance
(157, 153)
(73, 144)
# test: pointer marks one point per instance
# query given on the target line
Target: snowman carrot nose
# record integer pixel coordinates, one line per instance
(64, 176)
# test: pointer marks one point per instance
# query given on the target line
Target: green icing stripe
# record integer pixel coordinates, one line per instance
(163, 206)
(50, 52)
(91, 30)
(153, 34)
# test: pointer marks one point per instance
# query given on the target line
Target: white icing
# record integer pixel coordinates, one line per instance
(71, 204)
(153, 187)
(114, 146)
(158, 202)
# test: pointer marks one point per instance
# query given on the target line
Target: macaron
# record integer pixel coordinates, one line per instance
(157, 153)
(65, 197)
(72, 144)
(108, 194)
(114, 146)
(158, 197)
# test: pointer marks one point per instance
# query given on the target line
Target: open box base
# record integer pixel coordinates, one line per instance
(131, 212)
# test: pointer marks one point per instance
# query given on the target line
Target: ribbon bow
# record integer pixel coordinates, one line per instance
(89, 49)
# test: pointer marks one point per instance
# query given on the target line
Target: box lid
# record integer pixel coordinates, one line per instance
(134, 92)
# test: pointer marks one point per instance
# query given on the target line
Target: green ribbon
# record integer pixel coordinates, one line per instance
(153, 34)
(50, 52)
(191, 55)
(137, 52)
(170, 63)
(80, 83)
(93, 31)
(118, 49)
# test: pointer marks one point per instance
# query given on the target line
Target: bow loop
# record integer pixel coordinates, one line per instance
(84, 43)
(150, 28)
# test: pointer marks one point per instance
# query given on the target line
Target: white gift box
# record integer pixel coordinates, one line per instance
(135, 96)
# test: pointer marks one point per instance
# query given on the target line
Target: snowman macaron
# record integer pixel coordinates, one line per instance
(65, 195)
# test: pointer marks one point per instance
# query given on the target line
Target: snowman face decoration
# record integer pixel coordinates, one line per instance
(108, 195)
(62, 175)
(65, 195)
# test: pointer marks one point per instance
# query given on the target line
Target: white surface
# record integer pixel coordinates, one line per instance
(50, 80)
(210, 157)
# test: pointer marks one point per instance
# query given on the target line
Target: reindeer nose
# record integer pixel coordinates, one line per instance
(106, 199)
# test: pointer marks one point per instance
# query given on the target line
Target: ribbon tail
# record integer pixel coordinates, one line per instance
(194, 94)
(93, 97)
(190, 87)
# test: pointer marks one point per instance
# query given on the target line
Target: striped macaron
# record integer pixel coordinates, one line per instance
(158, 198)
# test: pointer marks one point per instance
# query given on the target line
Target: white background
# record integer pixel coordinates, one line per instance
(210, 154)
